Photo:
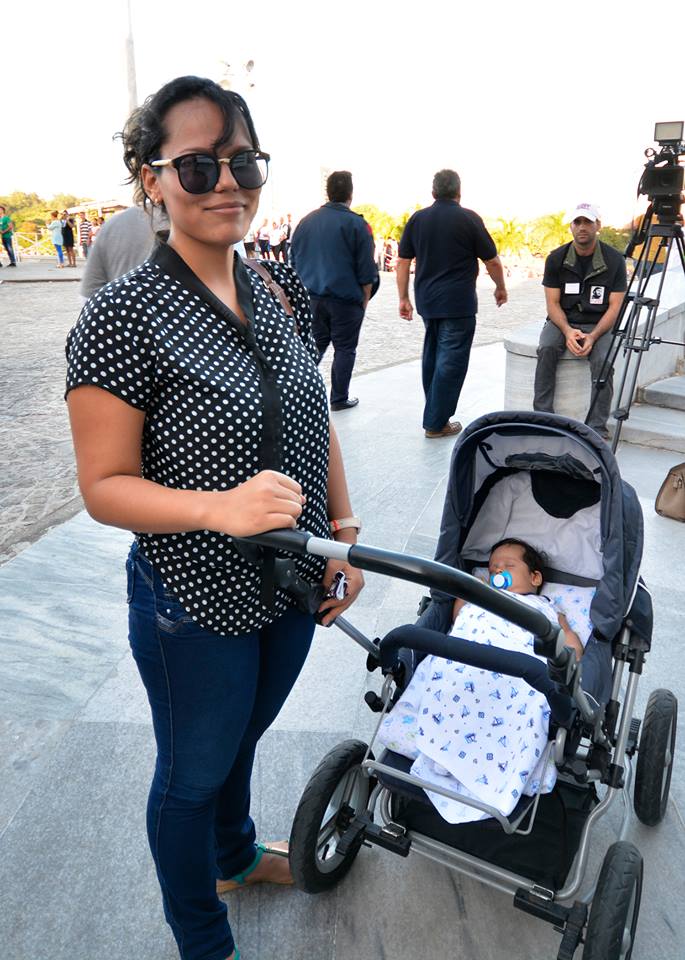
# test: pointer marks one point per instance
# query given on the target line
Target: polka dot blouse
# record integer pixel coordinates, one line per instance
(158, 339)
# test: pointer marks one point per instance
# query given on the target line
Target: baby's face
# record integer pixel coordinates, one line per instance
(509, 557)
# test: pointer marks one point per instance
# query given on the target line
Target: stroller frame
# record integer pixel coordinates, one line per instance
(490, 874)
(353, 799)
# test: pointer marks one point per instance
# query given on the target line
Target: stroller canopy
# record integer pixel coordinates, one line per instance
(554, 483)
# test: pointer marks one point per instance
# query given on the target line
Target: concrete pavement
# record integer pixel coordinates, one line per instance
(76, 755)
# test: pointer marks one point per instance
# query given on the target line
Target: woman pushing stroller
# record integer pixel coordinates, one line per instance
(478, 733)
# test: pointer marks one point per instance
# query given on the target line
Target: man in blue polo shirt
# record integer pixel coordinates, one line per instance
(447, 242)
(332, 250)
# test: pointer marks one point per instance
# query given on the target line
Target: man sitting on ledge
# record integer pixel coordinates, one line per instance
(584, 282)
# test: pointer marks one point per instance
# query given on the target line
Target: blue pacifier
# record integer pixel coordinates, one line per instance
(500, 581)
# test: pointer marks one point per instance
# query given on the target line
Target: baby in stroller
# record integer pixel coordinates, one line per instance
(475, 732)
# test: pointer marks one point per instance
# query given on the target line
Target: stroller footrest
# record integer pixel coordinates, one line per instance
(391, 836)
(541, 905)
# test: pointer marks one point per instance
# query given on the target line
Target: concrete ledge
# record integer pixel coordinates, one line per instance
(572, 394)
(573, 388)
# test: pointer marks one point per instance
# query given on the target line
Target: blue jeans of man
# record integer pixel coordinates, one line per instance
(337, 322)
(212, 697)
(7, 244)
(446, 351)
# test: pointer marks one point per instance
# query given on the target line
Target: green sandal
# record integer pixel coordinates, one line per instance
(243, 879)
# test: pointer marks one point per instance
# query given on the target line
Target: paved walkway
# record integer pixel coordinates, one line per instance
(76, 746)
(35, 318)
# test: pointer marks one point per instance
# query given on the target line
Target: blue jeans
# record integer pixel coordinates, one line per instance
(60, 255)
(9, 249)
(446, 352)
(212, 697)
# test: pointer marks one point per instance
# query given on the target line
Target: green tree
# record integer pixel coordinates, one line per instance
(547, 233)
(385, 226)
(510, 236)
(30, 208)
(616, 237)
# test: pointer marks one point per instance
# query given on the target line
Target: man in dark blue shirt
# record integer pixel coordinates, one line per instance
(332, 250)
(447, 241)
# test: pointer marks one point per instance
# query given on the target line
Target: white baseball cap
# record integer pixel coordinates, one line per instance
(587, 210)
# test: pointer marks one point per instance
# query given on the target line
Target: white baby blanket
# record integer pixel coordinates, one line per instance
(479, 733)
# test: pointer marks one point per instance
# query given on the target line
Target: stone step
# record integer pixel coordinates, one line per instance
(654, 426)
(666, 393)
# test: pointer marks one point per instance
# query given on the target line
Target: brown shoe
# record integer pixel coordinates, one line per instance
(260, 870)
(451, 429)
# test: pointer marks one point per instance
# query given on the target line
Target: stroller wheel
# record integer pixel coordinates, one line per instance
(655, 757)
(613, 917)
(337, 790)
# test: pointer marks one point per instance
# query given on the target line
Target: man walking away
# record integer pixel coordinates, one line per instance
(332, 250)
(447, 241)
(584, 282)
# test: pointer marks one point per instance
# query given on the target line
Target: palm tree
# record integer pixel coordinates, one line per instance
(548, 232)
(510, 236)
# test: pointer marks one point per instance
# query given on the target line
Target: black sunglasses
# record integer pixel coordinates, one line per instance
(200, 172)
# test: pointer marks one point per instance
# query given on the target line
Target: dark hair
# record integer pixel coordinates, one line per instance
(534, 559)
(2, 206)
(144, 132)
(446, 185)
(339, 186)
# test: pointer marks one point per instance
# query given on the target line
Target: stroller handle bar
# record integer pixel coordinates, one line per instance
(429, 573)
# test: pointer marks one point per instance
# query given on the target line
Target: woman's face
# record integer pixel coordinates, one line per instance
(222, 216)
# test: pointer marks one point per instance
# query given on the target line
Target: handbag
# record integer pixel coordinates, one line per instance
(670, 500)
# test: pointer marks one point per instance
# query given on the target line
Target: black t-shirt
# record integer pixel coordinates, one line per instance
(583, 264)
(447, 241)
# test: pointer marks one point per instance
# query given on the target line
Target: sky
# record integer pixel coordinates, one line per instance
(537, 105)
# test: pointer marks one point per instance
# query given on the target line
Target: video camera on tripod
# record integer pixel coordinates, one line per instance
(662, 183)
(662, 179)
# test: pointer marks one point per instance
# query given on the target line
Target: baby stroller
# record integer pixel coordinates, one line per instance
(553, 482)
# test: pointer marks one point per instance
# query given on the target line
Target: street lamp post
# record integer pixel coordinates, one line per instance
(131, 64)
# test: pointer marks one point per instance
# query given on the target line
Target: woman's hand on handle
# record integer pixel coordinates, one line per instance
(267, 501)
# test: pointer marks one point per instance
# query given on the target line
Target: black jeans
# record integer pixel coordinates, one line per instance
(337, 322)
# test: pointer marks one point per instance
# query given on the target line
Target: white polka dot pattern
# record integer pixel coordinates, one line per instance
(162, 349)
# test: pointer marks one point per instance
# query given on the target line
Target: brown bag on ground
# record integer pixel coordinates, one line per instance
(670, 500)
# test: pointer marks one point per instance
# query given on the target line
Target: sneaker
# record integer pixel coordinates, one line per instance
(451, 429)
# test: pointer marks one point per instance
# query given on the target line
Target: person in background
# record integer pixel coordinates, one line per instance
(84, 230)
(95, 230)
(263, 240)
(55, 228)
(125, 241)
(250, 242)
(7, 231)
(68, 226)
(332, 250)
(585, 282)
(447, 241)
(287, 235)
